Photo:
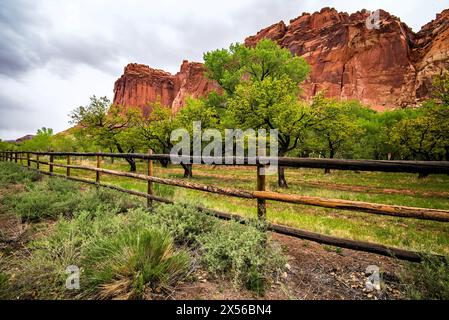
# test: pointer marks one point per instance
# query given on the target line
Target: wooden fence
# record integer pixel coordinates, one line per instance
(260, 194)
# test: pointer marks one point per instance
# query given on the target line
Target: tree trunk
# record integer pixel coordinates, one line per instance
(164, 163)
(187, 170)
(331, 156)
(131, 161)
(423, 175)
(281, 178)
(132, 164)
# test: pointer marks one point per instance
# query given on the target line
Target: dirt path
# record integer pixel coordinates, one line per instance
(316, 272)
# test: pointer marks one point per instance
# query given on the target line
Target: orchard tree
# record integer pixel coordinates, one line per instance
(195, 110)
(42, 141)
(64, 142)
(155, 129)
(272, 104)
(426, 136)
(6, 146)
(109, 126)
(420, 138)
(266, 60)
(335, 127)
(260, 91)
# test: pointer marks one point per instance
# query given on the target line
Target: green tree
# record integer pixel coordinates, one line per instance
(426, 136)
(64, 142)
(260, 91)
(336, 127)
(155, 129)
(267, 60)
(40, 142)
(420, 138)
(110, 126)
(195, 110)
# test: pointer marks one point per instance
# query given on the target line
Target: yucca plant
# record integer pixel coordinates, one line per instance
(133, 263)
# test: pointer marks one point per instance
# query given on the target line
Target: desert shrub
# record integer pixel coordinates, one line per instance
(184, 222)
(39, 204)
(126, 265)
(120, 202)
(54, 197)
(59, 185)
(120, 255)
(42, 273)
(242, 252)
(428, 280)
(13, 173)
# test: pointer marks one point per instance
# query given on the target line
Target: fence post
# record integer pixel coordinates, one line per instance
(68, 164)
(150, 183)
(97, 178)
(28, 160)
(37, 161)
(15, 157)
(261, 183)
(51, 162)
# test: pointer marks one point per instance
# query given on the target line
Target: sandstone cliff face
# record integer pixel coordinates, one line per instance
(140, 86)
(386, 67)
(431, 52)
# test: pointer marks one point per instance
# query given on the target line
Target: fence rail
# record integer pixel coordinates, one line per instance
(261, 195)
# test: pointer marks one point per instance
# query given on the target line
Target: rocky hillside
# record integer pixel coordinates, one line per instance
(383, 67)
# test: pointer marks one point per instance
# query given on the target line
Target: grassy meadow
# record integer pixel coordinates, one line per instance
(389, 188)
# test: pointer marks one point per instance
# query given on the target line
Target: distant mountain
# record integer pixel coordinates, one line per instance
(21, 139)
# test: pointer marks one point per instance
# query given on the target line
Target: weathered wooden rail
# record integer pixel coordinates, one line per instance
(261, 195)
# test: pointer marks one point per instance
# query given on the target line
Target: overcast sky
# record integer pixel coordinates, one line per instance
(55, 54)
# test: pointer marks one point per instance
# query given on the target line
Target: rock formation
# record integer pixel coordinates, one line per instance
(383, 67)
(140, 86)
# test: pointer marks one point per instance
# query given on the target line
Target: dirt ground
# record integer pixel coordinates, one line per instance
(315, 272)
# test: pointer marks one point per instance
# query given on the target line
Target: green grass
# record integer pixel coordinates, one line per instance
(428, 280)
(123, 250)
(424, 236)
(132, 261)
(121, 255)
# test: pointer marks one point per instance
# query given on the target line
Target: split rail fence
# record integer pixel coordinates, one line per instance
(261, 195)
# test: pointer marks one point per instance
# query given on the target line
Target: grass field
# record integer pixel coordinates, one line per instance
(388, 188)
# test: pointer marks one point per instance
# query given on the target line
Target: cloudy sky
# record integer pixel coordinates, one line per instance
(55, 54)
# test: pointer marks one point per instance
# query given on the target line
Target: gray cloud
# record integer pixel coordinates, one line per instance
(54, 54)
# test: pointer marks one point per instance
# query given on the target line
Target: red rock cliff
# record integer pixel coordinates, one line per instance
(386, 67)
(141, 85)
